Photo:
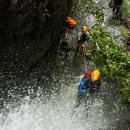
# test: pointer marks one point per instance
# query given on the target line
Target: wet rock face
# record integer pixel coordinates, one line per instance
(28, 17)
(127, 40)
(4, 6)
(128, 43)
(128, 22)
(29, 28)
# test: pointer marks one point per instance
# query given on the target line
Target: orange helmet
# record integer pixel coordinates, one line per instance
(84, 28)
(95, 75)
(71, 21)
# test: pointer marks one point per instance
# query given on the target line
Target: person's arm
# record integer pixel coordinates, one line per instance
(79, 37)
(82, 86)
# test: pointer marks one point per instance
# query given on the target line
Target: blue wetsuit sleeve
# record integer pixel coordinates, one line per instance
(82, 86)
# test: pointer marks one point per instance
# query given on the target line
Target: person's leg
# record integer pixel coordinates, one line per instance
(117, 10)
(77, 48)
(88, 105)
(114, 9)
(78, 102)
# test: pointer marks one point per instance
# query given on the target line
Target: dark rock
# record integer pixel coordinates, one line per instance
(128, 22)
(30, 28)
(127, 43)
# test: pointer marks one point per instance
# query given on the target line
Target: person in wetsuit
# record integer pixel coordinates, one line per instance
(82, 39)
(90, 83)
(117, 6)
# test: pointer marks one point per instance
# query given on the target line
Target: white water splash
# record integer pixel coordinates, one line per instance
(54, 114)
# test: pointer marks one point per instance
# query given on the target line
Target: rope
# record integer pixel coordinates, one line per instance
(85, 64)
(85, 60)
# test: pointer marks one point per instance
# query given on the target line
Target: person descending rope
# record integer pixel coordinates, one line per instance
(90, 83)
(116, 5)
(71, 23)
(82, 39)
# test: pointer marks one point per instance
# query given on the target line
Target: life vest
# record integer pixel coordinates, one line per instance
(84, 37)
(71, 22)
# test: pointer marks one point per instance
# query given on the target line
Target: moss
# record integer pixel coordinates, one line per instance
(125, 32)
(126, 8)
(126, 94)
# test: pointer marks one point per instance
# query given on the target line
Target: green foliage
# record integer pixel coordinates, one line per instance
(111, 58)
(125, 32)
(98, 15)
(126, 8)
(126, 93)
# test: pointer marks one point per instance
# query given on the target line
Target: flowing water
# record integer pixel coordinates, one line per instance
(51, 105)
(51, 109)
